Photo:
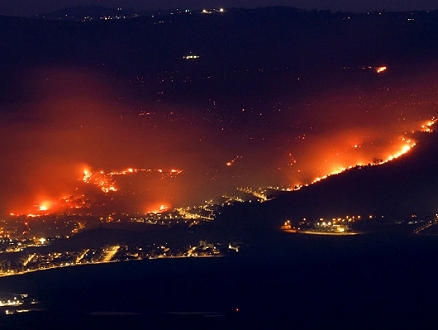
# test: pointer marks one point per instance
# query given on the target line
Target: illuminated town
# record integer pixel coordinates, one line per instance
(18, 232)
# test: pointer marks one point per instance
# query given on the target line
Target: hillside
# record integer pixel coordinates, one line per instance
(399, 188)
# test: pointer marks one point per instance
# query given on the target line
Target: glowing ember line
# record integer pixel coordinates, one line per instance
(427, 126)
(107, 184)
(232, 161)
(381, 69)
(407, 146)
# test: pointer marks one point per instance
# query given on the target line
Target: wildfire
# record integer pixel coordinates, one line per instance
(100, 179)
(381, 69)
(106, 182)
(406, 145)
(160, 208)
(232, 161)
(44, 205)
(426, 127)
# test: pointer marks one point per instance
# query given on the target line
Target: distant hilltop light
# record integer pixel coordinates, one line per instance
(191, 57)
(214, 10)
(376, 69)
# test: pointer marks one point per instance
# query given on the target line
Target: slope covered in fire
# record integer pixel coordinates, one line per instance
(397, 189)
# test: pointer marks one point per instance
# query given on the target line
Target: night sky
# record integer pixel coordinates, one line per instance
(32, 7)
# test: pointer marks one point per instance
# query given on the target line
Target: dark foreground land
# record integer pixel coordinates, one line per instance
(293, 281)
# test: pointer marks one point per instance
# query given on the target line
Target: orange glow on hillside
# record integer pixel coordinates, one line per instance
(106, 182)
(99, 179)
(427, 126)
(406, 145)
(75, 118)
(43, 208)
(158, 208)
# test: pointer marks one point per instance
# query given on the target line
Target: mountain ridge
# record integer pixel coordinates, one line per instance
(407, 185)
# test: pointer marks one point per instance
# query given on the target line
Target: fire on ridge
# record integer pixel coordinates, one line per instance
(406, 145)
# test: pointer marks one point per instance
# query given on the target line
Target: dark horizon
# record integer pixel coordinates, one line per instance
(32, 8)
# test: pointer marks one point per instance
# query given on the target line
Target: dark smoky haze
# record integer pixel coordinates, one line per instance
(72, 119)
(133, 129)
(69, 120)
